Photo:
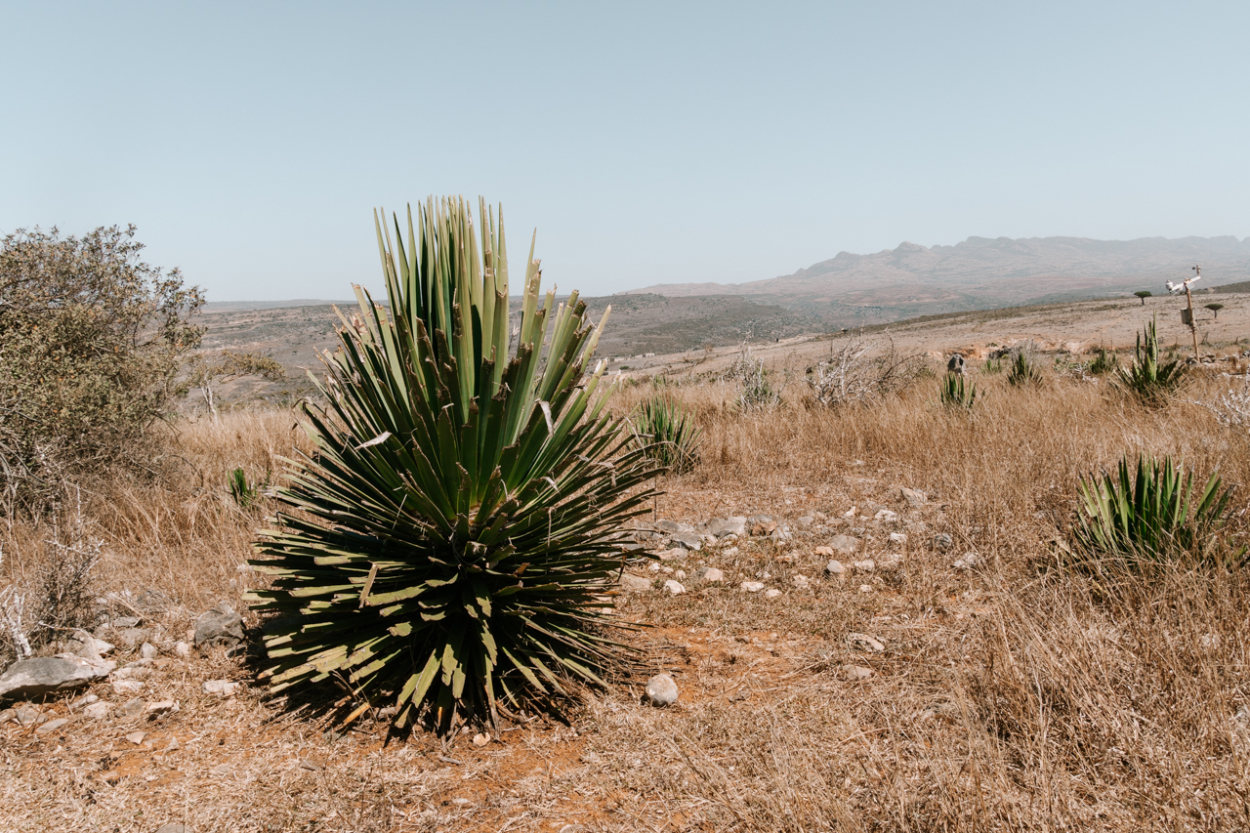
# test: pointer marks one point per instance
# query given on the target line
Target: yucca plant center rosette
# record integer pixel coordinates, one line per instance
(455, 528)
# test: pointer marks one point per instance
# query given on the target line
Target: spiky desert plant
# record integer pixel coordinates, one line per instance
(1149, 378)
(667, 434)
(453, 532)
(1023, 372)
(956, 395)
(1153, 516)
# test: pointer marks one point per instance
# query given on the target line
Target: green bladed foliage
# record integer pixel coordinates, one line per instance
(1148, 378)
(1023, 373)
(955, 394)
(455, 528)
(667, 434)
(1154, 516)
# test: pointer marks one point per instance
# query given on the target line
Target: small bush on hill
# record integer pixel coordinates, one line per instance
(1149, 378)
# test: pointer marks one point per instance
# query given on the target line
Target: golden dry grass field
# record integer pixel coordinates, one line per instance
(1014, 695)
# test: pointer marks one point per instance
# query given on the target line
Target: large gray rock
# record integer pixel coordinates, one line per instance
(219, 626)
(844, 545)
(632, 583)
(44, 675)
(736, 525)
(689, 540)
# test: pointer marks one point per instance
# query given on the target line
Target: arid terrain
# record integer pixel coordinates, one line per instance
(952, 675)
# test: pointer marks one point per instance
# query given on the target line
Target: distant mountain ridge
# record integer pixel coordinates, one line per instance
(981, 272)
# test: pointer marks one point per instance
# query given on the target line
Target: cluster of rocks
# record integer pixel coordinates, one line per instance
(97, 656)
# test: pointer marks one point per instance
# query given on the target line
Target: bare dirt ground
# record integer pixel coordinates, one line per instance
(1010, 694)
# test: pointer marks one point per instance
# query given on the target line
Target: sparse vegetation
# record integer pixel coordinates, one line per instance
(1023, 372)
(1143, 294)
(1104, 363)
(1149, 378)
(667, 433)
(1215, 308)
(954, 394)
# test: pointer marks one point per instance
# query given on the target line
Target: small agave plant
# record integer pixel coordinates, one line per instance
(447, 545)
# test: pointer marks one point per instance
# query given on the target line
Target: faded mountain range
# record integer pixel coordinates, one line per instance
(980, 273)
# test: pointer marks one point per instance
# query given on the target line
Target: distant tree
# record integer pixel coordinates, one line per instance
(1215, 308)
(1143, 294)
(209, 371)
(91, 347)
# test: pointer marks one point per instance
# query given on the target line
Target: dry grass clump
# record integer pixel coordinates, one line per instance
(1012, 696)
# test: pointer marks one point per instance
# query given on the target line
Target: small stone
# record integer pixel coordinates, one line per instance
(752, 586)
(943, 541)
(735, 525)
(689, 540)
(772, 593)
(912, 496)
(654, 567)
(729, 552)
(161, 707)
(136, 737)
(865, 642)
(131, 638)
(852, 512)
(885, 516)
(97, 711)
(865, 588)
(709, 575)
(127, 686)
(680, 575)
(890, 562)
(183, 649)
(865, 566)
(661, 691)
(148, 651)
(133, 707)
(31, 678)
(834, 568)
(84, 701)
(51, 726)
(669, 555)
(29, 716)
(220, 688)
(966, 561)
(83, 644)
(632, 583)
(824, 552)
(219, 626)
(668, 571)
(804, 521)
(801, 581)
(898, 539)
(134, 671)
(481, 739)
(855, 673)
(844, 545)
(674, 588)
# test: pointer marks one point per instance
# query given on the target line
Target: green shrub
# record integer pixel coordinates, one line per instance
(955, 394)
(91, 343)
(1153, 517)
(1150, 379)
(452, 535)
(992, 365)
(1104, 363)
(1023, 372)
(246, 493)
(667, 434)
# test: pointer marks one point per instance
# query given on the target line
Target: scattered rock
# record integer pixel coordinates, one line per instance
(29, 716)
(51, 726)
(219, 626)
(689, 540)
(133, 707)
(752, 586)
(661, 691)
(83, 644)
(865, 588)
(912, 496)
(865, 642)
(148, 651)
(481, 739)
(680, 575)
(762, 525)
(221, 688)
(865, 566)
(890, 562)
(152, 602)
(943, 541)
(161, 707)
(183, 649)
(729, 552)
(772, 593)
(898, 539)
(30, 678)
(735, 525)
(709, 575)
(130, 638)
(673, 527)
(844, 545)
(674, 588)
(632, 583)
(132, 672)
(967, 561)
(834, 568)
(97, 711)
(801, 581)
(136, 737)
(855, 673)
(885, 516)
(127, 686)
(669, 555)
(804, 521)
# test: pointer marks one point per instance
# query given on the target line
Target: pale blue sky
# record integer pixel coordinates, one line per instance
(647, 142)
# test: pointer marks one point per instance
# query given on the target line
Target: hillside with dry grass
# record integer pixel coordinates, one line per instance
(999, 690)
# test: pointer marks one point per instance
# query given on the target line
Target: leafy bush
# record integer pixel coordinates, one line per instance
(955, 395)
(1023, 372)
(667, 434)
(1150, 379)
(1104, 363)
(992, 365)
(1152, 517)
(91, 342)
(455, 529)
(246, 493)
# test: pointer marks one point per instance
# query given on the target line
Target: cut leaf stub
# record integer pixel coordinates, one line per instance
(455, 524)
